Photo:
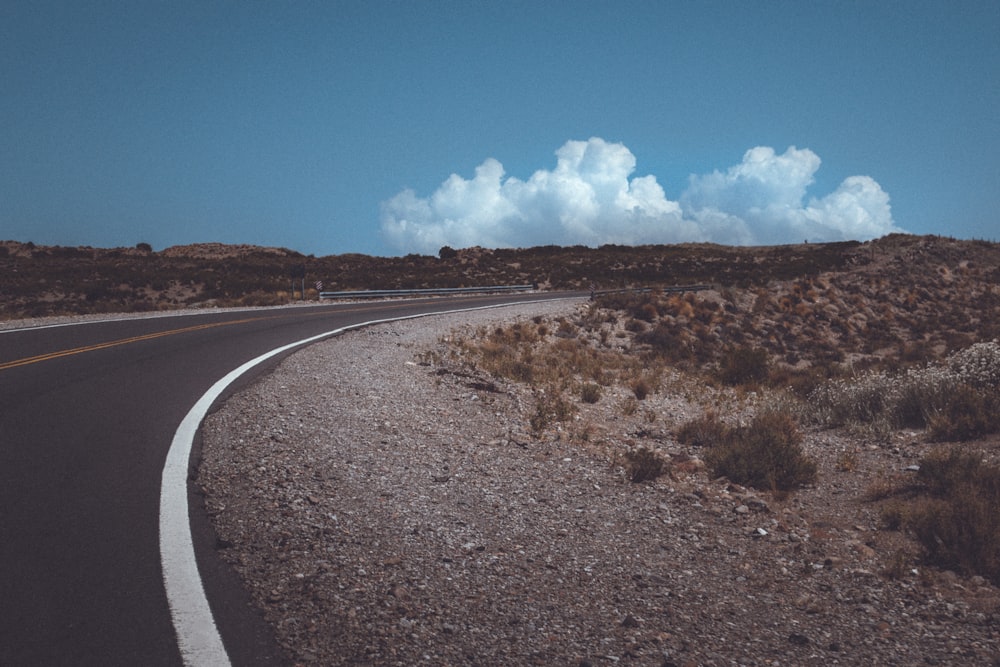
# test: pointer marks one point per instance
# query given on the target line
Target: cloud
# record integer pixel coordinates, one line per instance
(591, 198)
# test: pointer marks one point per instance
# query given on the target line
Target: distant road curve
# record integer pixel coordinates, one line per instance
(97, 425)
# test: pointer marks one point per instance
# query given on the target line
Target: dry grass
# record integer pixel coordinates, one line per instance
(644, 464)
(955, 517)
(839, 350)
(766, 454)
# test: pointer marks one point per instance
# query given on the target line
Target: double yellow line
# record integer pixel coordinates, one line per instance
(113, 343)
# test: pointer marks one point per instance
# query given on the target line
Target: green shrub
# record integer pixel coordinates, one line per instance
(957, 523)
(766, 454)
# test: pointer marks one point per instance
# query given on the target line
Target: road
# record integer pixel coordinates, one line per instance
(87, 415)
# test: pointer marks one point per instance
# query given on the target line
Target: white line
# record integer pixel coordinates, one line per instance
(197, 635)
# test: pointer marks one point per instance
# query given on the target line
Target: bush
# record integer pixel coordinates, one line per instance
(968, 413)
(550, 407)
(643, 463)
(665, 340)
(957, 524)
(641, 388)
(888, 401)
(744, 365)
(590, 393)
(703, 431)
(978, 365)
(767, 454)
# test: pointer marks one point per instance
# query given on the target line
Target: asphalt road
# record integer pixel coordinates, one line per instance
(87, 416)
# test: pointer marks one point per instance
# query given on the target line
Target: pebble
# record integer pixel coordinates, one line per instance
(589, 569)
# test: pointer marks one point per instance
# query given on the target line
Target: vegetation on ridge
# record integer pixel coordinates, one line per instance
(902, 342)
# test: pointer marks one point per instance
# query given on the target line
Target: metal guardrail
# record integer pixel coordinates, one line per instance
(645, 290)
(436, 291)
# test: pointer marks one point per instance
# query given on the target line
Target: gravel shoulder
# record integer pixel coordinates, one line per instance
(386, 510)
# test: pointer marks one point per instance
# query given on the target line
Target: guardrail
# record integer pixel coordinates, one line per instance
(435, 291)
(645, 290)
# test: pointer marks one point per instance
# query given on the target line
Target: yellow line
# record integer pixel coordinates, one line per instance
(114, 343)
(136, 339)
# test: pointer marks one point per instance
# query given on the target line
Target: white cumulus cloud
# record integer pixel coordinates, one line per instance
(591, 198)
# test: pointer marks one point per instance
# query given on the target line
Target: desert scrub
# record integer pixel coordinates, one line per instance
(644, 463)
(550, 407)
(956, 522)
(744, 365)
(703, 431)
(978, 365)
(528, 353)
(590, 392)
(968, 413)
(641, 388)
(766, 454)
(957, 399)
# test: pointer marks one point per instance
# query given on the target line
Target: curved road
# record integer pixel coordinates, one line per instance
(87, 415)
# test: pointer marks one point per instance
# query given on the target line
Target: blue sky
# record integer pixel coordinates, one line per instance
(393, 127)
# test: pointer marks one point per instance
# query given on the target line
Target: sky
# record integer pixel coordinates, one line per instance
(389, 128)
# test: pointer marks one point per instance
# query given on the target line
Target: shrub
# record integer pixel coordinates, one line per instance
(766, 454)
(550, 407)
(744, 365)
(892, 516)
(630, 406)
(641, 388)
(644, 463)
(957, 524)
(666, 341)
(635, 326)
(703, 431)
(502, 360)
(884, 400)
(646, 312)
(590, 392)
(968, 413)
(977, 365)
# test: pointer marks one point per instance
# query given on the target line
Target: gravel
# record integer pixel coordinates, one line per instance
(385, 505)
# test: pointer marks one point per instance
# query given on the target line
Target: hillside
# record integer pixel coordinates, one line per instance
(905, 271)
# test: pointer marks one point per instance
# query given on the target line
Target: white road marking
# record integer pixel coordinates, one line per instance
(197, 635)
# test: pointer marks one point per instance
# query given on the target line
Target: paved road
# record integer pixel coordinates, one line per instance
(87, 415)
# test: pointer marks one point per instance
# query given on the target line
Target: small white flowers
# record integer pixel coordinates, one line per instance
(910, 398)
(977, 365)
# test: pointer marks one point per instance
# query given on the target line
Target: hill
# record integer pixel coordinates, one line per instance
(40, 281)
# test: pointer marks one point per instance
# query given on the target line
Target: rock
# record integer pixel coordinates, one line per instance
(862, 549)
(757, 505)
(630, 621)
